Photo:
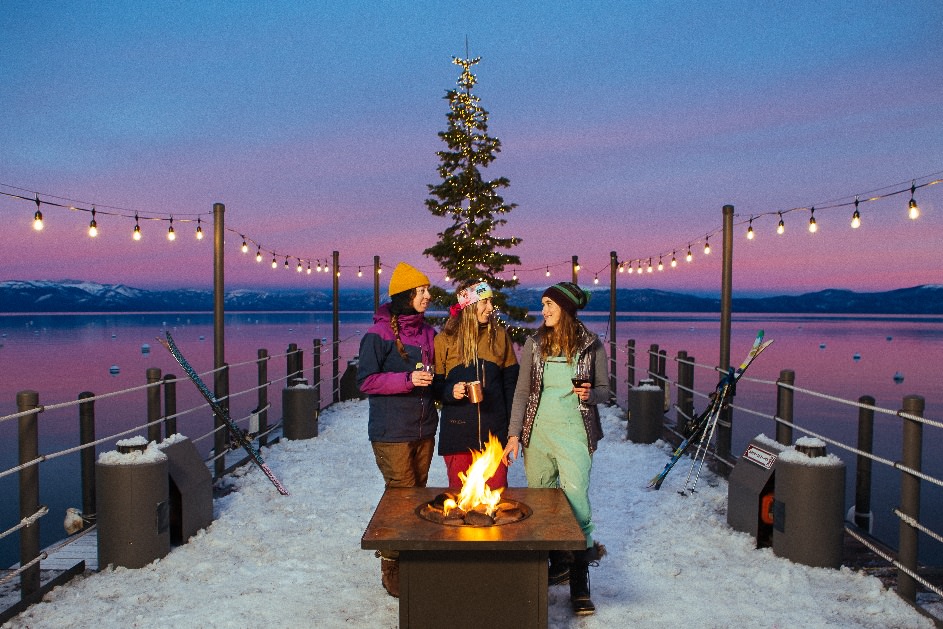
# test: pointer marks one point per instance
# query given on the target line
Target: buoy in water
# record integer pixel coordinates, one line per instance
(145, 349)
(890, 338)
(856, 357)
(202, 338)
(898, 377)
(821, 345)
(114, 370)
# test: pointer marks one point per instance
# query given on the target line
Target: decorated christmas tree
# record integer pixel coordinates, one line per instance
(470, 249)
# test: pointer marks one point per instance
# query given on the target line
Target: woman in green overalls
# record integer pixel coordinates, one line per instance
(563, 376)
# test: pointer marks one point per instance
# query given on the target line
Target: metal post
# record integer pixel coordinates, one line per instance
(376, 283)
(663, 378)
(784, 406)
(221, 436)
(29, 489)
(685, 389)
(725, 422)
(863, 467)
(316, 371)
(170, 405)
(613, 306)
(262, 401)
(910, 495)
(630, 362)
(153, 403)
(575, 267)
(87, 455)
(219, 287)
(336, 387)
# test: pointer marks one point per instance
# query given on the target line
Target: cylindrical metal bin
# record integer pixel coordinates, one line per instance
(300, 411)
(645, 413)
(133, 508)
(809, 508)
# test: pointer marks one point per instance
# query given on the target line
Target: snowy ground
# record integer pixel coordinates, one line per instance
(274, 561)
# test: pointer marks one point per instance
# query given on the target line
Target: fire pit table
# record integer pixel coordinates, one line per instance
(473, 576)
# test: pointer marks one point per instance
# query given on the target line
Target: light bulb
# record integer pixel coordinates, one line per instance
(286, 263)
(319, 266)
(596, 279)
(258, 255)
(855, 220)
(750, 230)
(649, 265)
(447, 278)
(199, 230)
(170, 232)
(514, 275)
(812, 226)
(707, 246)
(913, 210)
(245, 245)
(359, 272)
(548, 271)
(781, 228)
(689, 256)
(674, 262)
(309, 267)
(93, 226)
(379, 270)
(274, 263)
(38, 221)
(577, 267)
(622, 268)
(137, 229)
(299, 268)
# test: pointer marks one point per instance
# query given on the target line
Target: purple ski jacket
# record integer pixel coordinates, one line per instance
(399, 412)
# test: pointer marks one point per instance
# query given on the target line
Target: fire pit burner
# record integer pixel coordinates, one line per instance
(507, 512)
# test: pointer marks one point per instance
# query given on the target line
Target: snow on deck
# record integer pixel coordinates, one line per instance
(272, 560)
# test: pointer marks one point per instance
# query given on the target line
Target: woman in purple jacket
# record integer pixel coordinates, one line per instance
(395, 370)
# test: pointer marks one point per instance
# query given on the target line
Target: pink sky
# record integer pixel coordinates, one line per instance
(623, 130)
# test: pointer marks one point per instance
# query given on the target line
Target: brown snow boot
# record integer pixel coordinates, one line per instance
(389, 575)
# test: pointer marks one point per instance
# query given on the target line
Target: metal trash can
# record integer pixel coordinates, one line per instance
(300, 411)
(645, 413)
(190, 489)
(133, 508)
(809, 509)
(750, 490)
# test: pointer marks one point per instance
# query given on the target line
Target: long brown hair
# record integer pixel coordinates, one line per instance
(561, 339)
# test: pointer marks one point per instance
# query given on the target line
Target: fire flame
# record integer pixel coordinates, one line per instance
(475, 492)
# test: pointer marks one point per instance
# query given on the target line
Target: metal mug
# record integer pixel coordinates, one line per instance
(474, 392)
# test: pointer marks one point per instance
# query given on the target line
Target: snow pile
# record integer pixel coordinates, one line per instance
(150, 454)
(271, 560)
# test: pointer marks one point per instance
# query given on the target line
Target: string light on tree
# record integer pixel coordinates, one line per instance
(856, 216)
(812, 226)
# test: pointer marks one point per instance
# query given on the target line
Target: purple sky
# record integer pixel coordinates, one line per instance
(625, 126)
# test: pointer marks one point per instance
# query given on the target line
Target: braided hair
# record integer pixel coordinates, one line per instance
(401, 304)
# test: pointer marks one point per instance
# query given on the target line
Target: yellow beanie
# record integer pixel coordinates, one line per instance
(405, 278)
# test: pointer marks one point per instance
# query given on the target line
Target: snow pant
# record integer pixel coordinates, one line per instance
(404, 464)
(558, 453)
(460, 462)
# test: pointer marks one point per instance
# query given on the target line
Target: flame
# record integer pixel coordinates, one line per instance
(475, 492)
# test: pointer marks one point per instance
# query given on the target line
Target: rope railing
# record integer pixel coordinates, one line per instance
(851, 530)
(43, 555)
(27, 521)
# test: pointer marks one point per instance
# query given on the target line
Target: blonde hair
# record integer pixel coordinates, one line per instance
(466, 328)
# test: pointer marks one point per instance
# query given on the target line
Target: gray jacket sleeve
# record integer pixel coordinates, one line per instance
(522, 390)
(601, 392)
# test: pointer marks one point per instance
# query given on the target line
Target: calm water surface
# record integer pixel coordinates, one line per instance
(63, 355)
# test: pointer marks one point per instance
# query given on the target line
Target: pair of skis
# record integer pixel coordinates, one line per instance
(238, 435)
(700, 430)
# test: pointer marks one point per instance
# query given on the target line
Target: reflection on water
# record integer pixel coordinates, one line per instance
(844, 356)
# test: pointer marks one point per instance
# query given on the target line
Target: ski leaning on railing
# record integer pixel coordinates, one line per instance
(238, 435)
(700, 429)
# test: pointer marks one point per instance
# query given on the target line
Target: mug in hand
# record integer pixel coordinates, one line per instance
(474, 392)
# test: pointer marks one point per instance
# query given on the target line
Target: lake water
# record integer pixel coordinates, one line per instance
(843, 356)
